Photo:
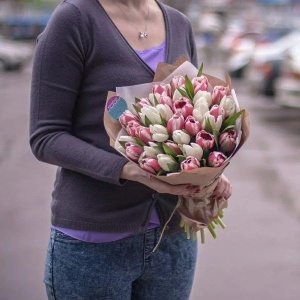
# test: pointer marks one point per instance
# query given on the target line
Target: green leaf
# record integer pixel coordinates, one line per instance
(216, 134)
(189, 87)
(155, 100)
(137, 100)
(136, 108)
(227, 128)
(231, 120)
(181, 158)
(163, 121)
(200, 70)
(208, 126)
(161, 172)
(139, 141)
(173, 167)
(147, 121)
(203, 162)
(168, 150)
(122, 143)
(183, 92)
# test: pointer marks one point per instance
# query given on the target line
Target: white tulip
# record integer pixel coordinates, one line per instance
(152, 150)
(159, 133)
(203, 94)
(165, 111)
(180, 137)
(216, 125)
(193, 150)
(151, 113)
(127, 139)
(176, 95)
(228, 104)
(167, 163)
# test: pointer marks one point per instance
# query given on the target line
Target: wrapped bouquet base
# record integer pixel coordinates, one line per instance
(184, 128)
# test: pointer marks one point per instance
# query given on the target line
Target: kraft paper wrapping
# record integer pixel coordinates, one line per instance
(200, 210)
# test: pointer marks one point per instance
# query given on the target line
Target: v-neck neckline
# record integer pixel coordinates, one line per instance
(167, 39)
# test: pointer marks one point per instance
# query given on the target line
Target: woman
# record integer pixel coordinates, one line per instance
(106, 212)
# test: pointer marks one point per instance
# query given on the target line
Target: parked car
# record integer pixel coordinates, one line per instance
(265, 64)
(287, 86)
(245, 44)
(13, 55)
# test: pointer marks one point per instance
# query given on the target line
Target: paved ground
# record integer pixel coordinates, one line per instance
(256, 257)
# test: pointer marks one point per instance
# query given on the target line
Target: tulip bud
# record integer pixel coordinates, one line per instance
(162, 88)
(150, 165)
(200, 83)
(165, 111)
(132, 128)
(184, 106)
(205, 140)
(167, 163)
(217, 111)
(190, 163)
(213, 119)
(216, 159)
(164, 99)
(203, 94)
(218, 93)
(133, 151)
(192, 126)
(193, 150)
(228, 104)
(176, 95)
(227, 140)
(159, 133)
(177, 81)
(126, 139)
(151, 113)
(152, 150)
(127, 116)
(144, 134)
(143, 102)
(175, 123)
(180, 137)
(174, 147)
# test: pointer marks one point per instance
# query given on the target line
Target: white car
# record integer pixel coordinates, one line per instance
(13, 54)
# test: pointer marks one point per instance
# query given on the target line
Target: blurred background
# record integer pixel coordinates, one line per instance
(258, 255)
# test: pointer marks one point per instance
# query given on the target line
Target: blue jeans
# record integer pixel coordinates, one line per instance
(126, 269)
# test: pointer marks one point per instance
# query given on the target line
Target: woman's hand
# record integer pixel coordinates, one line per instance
(223, 188)
(132, 172)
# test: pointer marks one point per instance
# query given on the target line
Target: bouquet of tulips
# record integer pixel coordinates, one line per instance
(184, 129)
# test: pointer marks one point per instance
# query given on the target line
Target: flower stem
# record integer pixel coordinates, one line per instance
(221, 223)
(202, 234)
(194, 234)
(181, 224)
(221, 214)
(211, 230)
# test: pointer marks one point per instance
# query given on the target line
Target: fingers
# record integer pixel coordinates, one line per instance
(223, 188)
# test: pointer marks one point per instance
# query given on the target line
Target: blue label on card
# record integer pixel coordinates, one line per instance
(116, 106)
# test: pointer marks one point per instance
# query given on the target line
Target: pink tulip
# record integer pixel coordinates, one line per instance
(205, 140)
(217, 111)
(161, 89)
(218, 93)
(144, 134)
(227, 140)
(184, 106)
(143, 102)
(127, 116)
(192, 126)
(177, 81)
(175, 123)
(190, 163)
(173, 146)
(132, 128)
(164, 99)
(150, 165)
(216, 159)
(200, 83)
(133, 151)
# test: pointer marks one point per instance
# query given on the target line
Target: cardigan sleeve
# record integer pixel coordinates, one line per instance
(56, 79)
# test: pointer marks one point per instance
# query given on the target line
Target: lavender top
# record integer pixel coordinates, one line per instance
(151, 56)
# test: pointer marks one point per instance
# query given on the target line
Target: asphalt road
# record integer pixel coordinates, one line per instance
(256, 257)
